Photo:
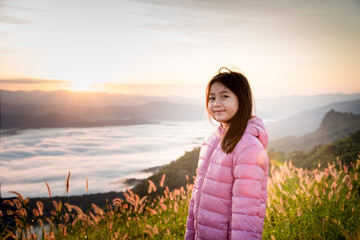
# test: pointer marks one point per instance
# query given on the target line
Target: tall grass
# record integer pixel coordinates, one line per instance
(314, 204)
(302, 204)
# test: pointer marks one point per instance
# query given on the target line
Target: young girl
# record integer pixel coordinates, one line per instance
(229, 195)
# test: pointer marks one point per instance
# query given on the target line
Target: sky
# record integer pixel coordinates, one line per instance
(170, 47)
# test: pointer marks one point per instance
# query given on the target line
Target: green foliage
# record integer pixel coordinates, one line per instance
(345, 149)
(175, 172)
(313, 204)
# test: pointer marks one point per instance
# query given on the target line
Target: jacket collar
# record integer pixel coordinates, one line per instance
(255, 127)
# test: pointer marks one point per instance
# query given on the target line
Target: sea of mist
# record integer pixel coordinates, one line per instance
(104, 155)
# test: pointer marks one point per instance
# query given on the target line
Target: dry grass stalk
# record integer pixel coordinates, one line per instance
(18, 195)
(176, 207)
(125, 236)
(68, 183)
(40, 207)
(48, 188)
(8, 202)
(152, 187)
(162, 180)
(63, 229)
(68, 207)
(77, 209)
(153, 211)
(56, 206)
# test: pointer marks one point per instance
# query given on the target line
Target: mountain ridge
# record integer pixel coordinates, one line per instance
(335, 125)
(269, 108)
(307, 121)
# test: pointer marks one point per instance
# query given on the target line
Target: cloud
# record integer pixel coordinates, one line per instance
(13, 20)
(103, 155)
(32, 81)
(5, 7)
(213, 18)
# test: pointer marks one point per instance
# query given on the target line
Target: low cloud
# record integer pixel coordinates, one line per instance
(32, 81)
(105, 156)
(6, 8)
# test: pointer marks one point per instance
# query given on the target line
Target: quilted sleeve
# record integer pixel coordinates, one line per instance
(190, 232)
(249, 193)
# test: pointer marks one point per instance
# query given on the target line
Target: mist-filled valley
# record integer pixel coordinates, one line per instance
(111, 139)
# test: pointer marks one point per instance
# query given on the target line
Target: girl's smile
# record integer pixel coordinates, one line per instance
(223, 103)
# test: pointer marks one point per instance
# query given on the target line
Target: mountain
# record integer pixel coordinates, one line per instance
(334, 126)
(53, 120)
(44, 116)
(106, 107)
(93, 99)
(284, 106)
(307, 121)
(267, 108)
(154, 111)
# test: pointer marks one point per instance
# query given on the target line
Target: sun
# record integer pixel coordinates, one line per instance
(81, 86)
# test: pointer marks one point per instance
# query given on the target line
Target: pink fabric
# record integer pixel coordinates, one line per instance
(229, 195)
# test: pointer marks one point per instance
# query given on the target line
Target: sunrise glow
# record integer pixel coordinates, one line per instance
(284, 49)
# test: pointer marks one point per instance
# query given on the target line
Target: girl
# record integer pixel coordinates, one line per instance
(229, 196)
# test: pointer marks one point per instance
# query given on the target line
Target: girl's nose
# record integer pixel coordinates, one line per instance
(217, 102)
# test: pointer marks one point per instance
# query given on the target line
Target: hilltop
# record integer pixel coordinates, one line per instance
(308, 120)
(334, 126)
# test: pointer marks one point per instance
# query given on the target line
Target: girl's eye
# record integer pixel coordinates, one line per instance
(225, 96)
(211, 98)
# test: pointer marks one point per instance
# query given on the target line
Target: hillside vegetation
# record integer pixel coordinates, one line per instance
(175, 172)
(344, 150)
(301, 204)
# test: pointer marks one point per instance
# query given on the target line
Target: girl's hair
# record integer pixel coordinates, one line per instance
(239, 85)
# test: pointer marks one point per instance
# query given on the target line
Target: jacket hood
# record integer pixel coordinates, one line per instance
(257, 128)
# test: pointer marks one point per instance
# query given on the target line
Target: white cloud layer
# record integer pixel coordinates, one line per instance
(103, 155)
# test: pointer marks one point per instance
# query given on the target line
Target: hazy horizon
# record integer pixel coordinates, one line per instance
(169, 95)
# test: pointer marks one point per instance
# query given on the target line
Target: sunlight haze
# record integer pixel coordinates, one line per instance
(174, 48)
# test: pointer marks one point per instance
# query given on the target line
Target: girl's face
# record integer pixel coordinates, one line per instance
(223, 103)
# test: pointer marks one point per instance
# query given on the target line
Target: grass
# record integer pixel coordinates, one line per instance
(320, 204)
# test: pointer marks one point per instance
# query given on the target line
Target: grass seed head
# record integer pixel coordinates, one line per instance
(152, 187)
(162, 180)
(67, 186)
(21, 198)
(48, 188)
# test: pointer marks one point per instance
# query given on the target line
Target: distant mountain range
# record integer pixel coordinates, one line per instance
(284, 106)
(307, 121)
(334, 126)
(294, 115)
(153, 111)
(41, 116)
(268, 108)
(90, 99)
(54, 120)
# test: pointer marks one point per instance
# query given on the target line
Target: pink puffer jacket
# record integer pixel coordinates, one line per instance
(230, 190)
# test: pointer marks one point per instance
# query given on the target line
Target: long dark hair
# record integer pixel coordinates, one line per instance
(239, 85)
